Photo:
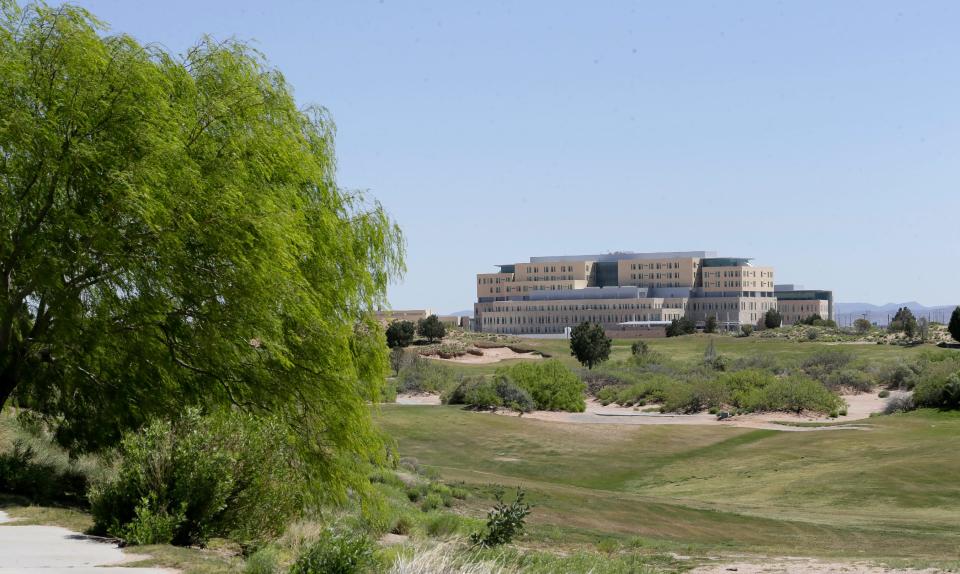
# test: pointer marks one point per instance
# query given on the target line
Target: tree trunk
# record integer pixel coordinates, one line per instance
(8, 382)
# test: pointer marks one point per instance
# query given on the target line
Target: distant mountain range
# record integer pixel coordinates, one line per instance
(464, 313)
(880, 314)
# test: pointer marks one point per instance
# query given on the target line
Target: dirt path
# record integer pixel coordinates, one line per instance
(859, 408)
(490, 355)
(58, 550)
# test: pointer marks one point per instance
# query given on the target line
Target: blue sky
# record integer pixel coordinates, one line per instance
(818, 137)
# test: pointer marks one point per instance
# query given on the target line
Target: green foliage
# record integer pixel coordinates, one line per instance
(854, 380)
(335, 552)
(553, 386)
(695, 396)
(425, 376)
(954, 326)
(149, 526)
(883, 394)
(938, 390)
(640, 348)
(905, 322)
(504, 522)
(264, 561)
(25, 472)
(746, 330)
(589, 344)
(772, 319)
(476, 392)
(710, 326)
(712, 359)
(484, 393)
(862, 326)
(794, 394)
(400, 334)
(172, 234)
(228, 475)
(822, 364)
(681, 326)
(897, 375)
(431, 328)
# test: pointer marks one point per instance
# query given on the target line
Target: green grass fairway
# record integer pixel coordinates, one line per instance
(890, 492)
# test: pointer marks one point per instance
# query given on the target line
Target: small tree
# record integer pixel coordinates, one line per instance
(772, 319)
(954, 326)
(746, 330)
(400, 334)
(681, 326)
(504, 523)
(431, 328)
(711, 324)
(589, 344)
(904, 321)
(814, 319)
(923, 329)
(398, 358)
(862, 326)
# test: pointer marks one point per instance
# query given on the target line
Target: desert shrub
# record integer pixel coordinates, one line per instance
(899, 404)
(480, 393)
(812, 334)
(227, 475)
(425, 376)
(695, 396)
(681, 326)
(897, 375)
(335, 552)
(553, 386)
(649, 389)
(739, 384)
(766, 361)
(26, 471)
(512, 396)
(794, 394)
(883, 394)
(443, 524)
(504, 522)
(432, 501)
(149, 526)
(746, 330)
(264, 561)
(431, 328)
(772, 319)
(849, 379)
(822, 364)
(639, 347)
(939, 390)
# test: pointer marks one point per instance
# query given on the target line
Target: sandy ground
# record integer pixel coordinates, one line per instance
(492, 355)
(793, 565)
(58, 550)
(859, 408)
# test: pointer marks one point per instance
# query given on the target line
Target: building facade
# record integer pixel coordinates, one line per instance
(622, 292)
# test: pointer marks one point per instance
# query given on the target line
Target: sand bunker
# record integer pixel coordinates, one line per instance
(491, 355)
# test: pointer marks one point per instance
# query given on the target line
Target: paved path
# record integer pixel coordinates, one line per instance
(49, 549)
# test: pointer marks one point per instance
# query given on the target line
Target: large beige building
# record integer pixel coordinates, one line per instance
(625, 292)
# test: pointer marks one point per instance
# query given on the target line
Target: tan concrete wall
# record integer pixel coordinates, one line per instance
(743, 278)
(795, 311)
(521, 317)
(412, 315)
(658, 272)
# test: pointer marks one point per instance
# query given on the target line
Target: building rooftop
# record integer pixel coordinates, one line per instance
(621, 255)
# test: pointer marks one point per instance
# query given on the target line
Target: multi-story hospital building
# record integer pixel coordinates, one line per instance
(635, 291)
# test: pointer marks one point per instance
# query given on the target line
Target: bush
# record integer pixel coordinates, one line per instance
(795, 394)
(938, 390)
(226, 475)
(263, 561)
(425, 376)
(25, 472)
(862, 326)
(899, 404)
(444, 524)
(504, 522)
(898, 375)
(746, 330)
(710, 326)
(696, 396)
(681, 326)
(512, 396)
(335, 553)
(772, 319)
(400, 334)
(849, 379)
(812, 334)
(884, 394)
(552, 386)
(822, 364)
(639, 348)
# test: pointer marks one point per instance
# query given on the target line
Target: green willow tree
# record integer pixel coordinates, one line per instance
(171, 234)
